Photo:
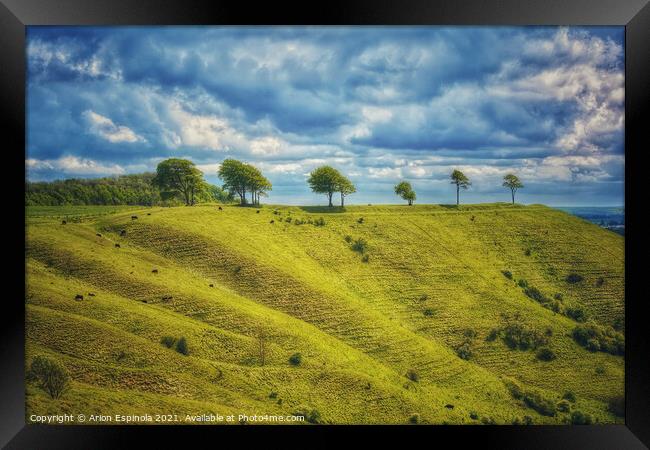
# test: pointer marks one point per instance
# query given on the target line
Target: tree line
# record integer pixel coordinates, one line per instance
(180, 181)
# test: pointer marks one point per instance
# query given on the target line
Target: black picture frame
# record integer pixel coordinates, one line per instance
(15, 15)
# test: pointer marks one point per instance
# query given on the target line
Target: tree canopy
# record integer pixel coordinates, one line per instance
(327, 180)
(461, 181)
(405, 190)
(179, 176)
(513, 182)
(241, 178)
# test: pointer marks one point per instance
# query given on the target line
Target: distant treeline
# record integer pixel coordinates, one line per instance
(136, 189)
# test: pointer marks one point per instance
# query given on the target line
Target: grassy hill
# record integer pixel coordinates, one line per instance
(416, 324)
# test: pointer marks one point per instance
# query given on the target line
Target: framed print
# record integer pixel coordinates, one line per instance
(360, 218)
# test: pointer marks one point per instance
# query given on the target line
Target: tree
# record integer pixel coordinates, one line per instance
(461, 181)
(404, 190)
(179, 176)
(235, 176)
(325, 180)
(345, 187)
(512, 181)
(52, 377)
(257, 183)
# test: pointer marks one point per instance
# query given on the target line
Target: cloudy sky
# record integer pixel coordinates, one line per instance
(381, 104)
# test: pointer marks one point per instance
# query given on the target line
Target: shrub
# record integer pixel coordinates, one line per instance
(492, 335)
(539, 403)
(563, 406)
(348, 238)
(429, 312)
(288, 219)
(168, 341)
(295, 359)
(522, 283)
(412, 375)
(360, 245)
(273, 395)
(464, 350)
(574, 278)
(519, 336)
(535, 294)
(595, 337)
(580, 418)
(576, 313)
(320, 222)
(181, 346)
(570, 396)
(414, 419)
(424, 297)
(488, 421)
(600, 370)
(360, 220)
(527, 252)
(473, 415)
(366, 258)
(51, 376)
(558, 297)
(507, 274)
(616, 405)
(545, 354)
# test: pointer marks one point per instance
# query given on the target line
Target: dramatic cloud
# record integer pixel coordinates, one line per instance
(379, 103)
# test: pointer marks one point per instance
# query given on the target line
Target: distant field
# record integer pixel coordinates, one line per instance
(398, 313)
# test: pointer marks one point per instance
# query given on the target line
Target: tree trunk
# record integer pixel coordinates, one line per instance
(410, 202)
(329, 196)
(457, 194)
(342, 197)
(513, 196)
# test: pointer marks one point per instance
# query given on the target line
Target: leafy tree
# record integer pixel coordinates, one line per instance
(404, 190)
(325, 180)
(512, 181)
(461, 181)
(345, 187)
(235, 176)
(176, 175)
(52, 377)
(240, 178)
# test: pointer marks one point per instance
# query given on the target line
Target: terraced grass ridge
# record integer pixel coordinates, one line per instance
(399, 314)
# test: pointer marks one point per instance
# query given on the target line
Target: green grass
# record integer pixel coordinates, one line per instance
(359, 326)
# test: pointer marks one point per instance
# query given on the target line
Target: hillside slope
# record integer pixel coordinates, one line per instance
(425, 295)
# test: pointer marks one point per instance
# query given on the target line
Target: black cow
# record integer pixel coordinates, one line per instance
(78, 297)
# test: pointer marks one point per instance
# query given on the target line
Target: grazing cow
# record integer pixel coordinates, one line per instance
(143, 301)
(167, 298)
(272, 221)
(78, 297)
(148, 214)
(99, 235)
(154, 271)
(258, 211)
(211, 285)
(472, 218)
(122, 232)
(220, 208)
(117, 245)
(134, 217)
(91, 294)
(63, 222)
(449, 406)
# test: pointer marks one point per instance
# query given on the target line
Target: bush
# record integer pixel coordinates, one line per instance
(595, 337)
(273, 395)
(320, 222)
(348, 238)
(168, 341)
(507, 274)
(536, 295)
(576, 313)
(412, 375)
(429, 312)
(516, 335)
(51, 376)
(473, 415)
(527, 252)
(522, 283)
(181, 346)
(539, 403)
(570, 396)
(574, 278)
(288, 219)
(414, 419)
(616, 405)
(563, 406)
(492, 335)
(295, 359)
(360, 245)
(365, 259)
(558, 297)
(360, 220)
(545, 354)
(464, 350)
(580, 418)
